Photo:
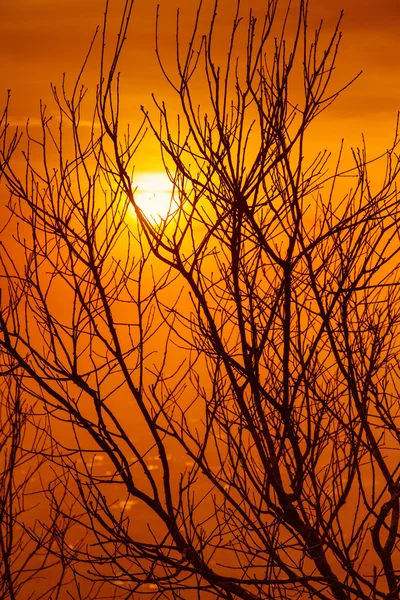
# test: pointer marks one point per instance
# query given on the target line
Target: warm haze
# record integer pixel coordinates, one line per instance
(199, 302)
(41, 39)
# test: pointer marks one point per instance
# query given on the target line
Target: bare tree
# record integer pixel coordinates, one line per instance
(222, 384)
(24, 543)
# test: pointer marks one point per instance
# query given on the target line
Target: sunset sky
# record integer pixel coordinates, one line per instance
(41, 39)
(241, 343)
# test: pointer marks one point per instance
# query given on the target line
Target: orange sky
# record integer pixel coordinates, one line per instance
(40, 39)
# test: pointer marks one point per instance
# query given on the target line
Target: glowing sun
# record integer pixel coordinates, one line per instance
(154, 194)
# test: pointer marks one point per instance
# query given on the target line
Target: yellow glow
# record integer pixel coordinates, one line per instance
(153, 193)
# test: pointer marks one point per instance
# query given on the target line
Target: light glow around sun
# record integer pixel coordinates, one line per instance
(152, 193)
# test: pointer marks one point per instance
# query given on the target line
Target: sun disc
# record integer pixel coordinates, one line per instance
(154, 194)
